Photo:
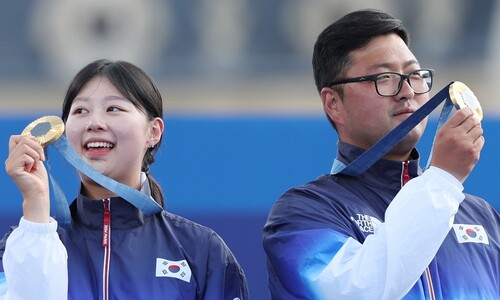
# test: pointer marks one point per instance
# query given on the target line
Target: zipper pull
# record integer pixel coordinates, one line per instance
(406, 172)
(106, 223)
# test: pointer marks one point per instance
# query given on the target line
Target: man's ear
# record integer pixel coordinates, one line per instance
(332, 104)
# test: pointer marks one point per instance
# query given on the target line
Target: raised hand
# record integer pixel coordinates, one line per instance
(458, 144)
(25, 166)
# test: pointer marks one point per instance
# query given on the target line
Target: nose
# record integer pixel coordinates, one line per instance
(406, 92)
(95, 122)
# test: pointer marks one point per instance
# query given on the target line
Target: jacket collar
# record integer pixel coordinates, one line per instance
(387, 172)
(124, 215)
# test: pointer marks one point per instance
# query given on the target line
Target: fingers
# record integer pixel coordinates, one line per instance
(478, 145)
(24, 165)
(27, 142)
(24, 152)
(461, 116)
(458, 144)
(465, 120)
(464, 115)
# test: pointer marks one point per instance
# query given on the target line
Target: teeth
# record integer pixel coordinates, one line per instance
(99, 145)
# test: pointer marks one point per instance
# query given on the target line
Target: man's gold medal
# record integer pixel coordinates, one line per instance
(462, 96)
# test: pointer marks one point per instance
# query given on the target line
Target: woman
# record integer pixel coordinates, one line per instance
(113, 116)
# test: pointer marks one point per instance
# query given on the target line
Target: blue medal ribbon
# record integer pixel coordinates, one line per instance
(3, 284)
(143, 202)
(384, 145)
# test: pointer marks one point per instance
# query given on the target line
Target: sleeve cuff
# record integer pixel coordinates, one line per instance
(33, 227)
(446, 176)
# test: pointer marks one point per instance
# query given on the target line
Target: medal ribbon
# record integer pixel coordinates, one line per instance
(143, 202)
(384, 145)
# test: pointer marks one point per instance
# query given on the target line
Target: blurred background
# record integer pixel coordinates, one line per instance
(243, 119)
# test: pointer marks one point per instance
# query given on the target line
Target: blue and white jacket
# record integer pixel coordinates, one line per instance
(115, 252)
(370, 237)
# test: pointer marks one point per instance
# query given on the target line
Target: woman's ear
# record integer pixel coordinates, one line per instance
(156, 131)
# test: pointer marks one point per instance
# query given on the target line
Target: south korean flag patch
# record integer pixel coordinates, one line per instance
(173, 269)
(468, 233)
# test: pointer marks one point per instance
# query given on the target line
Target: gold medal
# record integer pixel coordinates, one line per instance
(46, 130)
(462, 96)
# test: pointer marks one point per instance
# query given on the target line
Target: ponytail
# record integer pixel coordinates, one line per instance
(154, 186)
(156, 191)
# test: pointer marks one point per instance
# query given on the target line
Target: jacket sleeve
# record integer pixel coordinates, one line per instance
(225, 278)
(35, 257)
(325, 262)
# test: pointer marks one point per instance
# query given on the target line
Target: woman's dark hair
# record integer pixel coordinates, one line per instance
(136, 86)
(331, 54)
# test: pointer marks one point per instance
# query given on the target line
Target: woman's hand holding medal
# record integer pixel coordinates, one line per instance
(25, 165)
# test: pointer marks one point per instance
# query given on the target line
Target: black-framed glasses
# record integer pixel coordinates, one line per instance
(389, 84)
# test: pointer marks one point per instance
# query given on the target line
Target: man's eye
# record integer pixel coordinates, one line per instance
(386, 76)
(383, 77)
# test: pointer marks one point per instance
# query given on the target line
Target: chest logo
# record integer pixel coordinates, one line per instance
(366, 223)
(173, 269)
(468, 233)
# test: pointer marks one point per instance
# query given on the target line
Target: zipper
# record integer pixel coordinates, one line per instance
(405, 177)
(106, 223)
(429, 283)
(106, 243)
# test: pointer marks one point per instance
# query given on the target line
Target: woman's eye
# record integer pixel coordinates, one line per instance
(79, 110)
(114, 108)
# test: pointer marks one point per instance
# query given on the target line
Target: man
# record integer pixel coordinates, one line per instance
(392, 232)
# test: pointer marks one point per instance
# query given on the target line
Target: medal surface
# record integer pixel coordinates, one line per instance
(462, 96)
(46, 130)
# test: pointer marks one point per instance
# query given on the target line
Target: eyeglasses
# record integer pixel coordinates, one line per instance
(389, 84)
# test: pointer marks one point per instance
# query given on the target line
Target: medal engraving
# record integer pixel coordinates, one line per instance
(462, 96)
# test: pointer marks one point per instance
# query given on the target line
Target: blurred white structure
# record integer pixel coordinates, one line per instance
(227, 56)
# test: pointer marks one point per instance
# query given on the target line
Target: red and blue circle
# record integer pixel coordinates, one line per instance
(174, 268)
(471, 232)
